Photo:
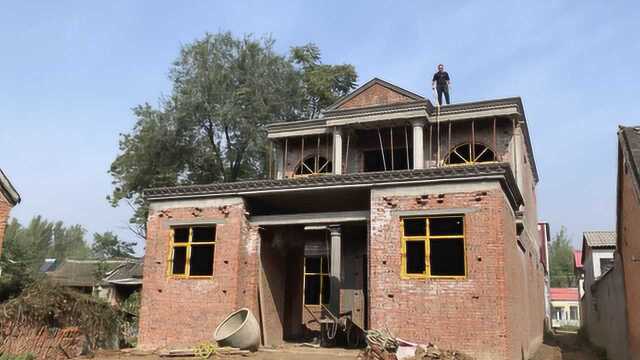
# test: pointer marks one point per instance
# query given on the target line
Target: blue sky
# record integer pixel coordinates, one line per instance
(71, 71)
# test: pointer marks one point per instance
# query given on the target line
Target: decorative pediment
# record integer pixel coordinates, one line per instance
(375, 92)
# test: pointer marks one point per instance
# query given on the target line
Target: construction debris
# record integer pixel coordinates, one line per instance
(382, 345)
(204, 351)
(64, 322)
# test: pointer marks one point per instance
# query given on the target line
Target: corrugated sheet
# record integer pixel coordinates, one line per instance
(600, 238)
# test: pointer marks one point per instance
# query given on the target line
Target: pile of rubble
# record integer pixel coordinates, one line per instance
(382, 345)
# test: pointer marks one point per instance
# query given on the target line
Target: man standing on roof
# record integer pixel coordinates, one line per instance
(441, 83)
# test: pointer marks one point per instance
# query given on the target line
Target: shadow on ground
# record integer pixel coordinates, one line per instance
(566, 346)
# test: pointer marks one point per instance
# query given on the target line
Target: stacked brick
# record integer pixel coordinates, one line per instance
(42, 342)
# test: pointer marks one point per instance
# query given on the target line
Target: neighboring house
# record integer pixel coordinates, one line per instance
(9, 198)
(628, 227)
(597, 257)
(565, 307)
(544, 233)
(112, 280)
(578, 270)
(385, 210)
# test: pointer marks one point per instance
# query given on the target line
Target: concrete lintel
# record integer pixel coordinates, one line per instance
(201, 203)
(487, 113)
(177, 222)
(434, 212)
(300, 132)
(310, 218)
(364, 118)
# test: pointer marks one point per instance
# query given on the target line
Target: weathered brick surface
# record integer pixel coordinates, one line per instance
(475, 315)
(182, 312)
(375, 95)
(5, 207)
(629, 248)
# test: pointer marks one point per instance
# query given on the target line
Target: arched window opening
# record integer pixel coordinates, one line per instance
(313, 165)
(466, 154)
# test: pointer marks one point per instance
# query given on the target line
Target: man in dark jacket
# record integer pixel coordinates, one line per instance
(441, 84)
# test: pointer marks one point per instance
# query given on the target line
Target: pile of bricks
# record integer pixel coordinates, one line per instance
(42, 342)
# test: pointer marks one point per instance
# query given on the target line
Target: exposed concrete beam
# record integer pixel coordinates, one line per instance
(382, 116)
(311, 218)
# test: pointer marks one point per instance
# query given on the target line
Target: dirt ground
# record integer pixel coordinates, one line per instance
(566, 346)
(563, 346)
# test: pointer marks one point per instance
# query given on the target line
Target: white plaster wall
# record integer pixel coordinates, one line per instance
(597, 255)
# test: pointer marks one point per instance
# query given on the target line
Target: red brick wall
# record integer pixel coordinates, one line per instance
(629, 248)
(184, 312)
(375, 95)
(474, 315)
(5, 207)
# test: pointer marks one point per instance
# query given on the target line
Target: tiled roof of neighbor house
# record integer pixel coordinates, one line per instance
(600, 238)
(577, 259)
(564, 294)
(630, 141)
(8, 190)
(369, 179)
(129, 273)
(81, 273)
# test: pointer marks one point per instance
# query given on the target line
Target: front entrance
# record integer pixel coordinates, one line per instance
(297, 281)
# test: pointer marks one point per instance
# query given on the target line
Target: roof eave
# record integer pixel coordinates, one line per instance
(8, 190)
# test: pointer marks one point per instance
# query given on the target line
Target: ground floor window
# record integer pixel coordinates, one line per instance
(557, 313)
(433, 247)
(573, 313)
(192, 251)
(316, 280)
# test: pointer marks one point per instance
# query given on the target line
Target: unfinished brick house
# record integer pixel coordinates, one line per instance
(628, 229)
(9, 198)
(386, 210)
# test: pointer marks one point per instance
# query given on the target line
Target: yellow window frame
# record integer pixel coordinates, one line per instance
(473, 158)
(427, 248)
(321, 274)
(188, 245)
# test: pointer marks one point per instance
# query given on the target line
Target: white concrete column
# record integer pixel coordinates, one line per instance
(279, 163)
(335, 269)
(337, 151)
(418, 144)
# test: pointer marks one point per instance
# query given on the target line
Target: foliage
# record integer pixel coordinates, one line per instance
(25, 249)
(107, 245)
(211, 127)
(561, 261)
(44, 303)
(323, 84)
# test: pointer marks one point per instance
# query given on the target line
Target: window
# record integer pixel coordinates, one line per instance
(605, 265)
(573, 313)
(316, 280)
(313, 165)
(433, 247)
(466, 154)
(192, 251)
(557, 313)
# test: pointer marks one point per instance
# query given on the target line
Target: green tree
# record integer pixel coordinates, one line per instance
(25, 249)
(107, 245)
(323, 84)
(211, 127)
(561, 261)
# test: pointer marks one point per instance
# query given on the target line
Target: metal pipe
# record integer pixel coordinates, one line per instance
(392, 155)
(384, 162)
(284, 164)
(346, 157)
(406, 146)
